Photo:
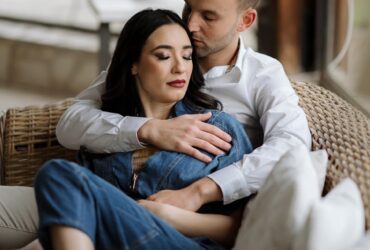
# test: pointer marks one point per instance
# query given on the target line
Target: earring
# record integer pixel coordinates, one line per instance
(133, 70)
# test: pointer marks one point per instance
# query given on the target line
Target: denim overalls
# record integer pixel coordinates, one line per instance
(70, 195)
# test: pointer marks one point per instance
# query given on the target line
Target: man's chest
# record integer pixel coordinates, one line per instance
(238, 101)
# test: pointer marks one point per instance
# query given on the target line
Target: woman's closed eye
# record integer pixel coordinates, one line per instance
(188, 57)
(162, 56)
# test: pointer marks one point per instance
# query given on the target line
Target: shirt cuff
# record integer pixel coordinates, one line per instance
(130, 127)
(232, 183)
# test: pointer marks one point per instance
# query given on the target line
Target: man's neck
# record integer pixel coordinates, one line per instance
(225, 57)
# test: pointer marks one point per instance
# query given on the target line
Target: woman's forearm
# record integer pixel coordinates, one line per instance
(221, 228)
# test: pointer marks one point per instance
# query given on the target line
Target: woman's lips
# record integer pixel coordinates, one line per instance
(177, 83)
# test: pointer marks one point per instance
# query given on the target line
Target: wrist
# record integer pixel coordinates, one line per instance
(208, 190)
(144, 132)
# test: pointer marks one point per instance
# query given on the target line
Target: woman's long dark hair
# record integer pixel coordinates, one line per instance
(121, 94)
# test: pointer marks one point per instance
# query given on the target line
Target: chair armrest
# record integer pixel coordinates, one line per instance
(28, 140)
(344, 132)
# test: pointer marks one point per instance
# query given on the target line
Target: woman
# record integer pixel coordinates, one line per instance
(154, 73)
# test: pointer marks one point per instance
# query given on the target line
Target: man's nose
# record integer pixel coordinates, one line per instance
(193, 22)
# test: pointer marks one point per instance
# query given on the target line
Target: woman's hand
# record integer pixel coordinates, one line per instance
(186, 134)
(164, 211)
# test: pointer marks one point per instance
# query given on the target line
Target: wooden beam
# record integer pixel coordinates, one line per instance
(289, 26)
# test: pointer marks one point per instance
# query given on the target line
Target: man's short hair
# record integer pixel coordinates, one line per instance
(244, 4)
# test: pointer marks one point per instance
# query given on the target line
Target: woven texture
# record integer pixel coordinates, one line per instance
(345, 134)
(29, 141)
(140, 156)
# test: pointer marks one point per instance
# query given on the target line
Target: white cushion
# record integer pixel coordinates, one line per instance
(319, 160)
(363, 243)
(335, 222)
(277, 214)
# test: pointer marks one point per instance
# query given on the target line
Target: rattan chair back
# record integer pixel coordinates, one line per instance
(344, 132)
(28, 140)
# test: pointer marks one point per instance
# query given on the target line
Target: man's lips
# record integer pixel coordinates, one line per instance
(197, 41)
(177, 83)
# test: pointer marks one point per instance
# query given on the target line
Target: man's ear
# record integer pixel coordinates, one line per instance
(247, 18)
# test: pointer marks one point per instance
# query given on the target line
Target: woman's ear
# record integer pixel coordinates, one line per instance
(248, 17)
(134, 69)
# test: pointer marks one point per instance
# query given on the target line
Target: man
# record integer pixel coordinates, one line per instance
(252, 87)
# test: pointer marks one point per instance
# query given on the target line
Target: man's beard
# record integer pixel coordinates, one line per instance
(207, 49)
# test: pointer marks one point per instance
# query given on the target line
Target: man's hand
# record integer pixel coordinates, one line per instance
(183, 198)
(191, 197)
(186, 134)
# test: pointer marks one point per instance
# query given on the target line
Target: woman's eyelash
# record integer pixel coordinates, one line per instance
(162, 56)
(165, 57)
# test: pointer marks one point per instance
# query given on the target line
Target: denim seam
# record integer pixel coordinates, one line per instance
(174, 164)
(153, 232)
(138, 243)
(86, 181)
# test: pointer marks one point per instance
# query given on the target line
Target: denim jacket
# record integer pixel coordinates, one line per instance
(169, 169)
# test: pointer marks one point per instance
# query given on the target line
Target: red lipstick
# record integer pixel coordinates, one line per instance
(177, 83)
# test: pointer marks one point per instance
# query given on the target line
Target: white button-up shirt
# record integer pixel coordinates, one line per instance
(256, 91)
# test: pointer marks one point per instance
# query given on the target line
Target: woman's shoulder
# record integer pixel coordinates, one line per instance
(219, 116)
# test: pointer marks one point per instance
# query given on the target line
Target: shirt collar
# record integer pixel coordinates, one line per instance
(241, 53)
(235, 71)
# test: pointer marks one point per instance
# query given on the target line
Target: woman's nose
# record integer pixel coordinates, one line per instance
(179, 66)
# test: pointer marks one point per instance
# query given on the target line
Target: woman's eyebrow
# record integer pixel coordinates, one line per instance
(163, 46)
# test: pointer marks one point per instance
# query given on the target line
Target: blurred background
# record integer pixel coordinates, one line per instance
(53, 49)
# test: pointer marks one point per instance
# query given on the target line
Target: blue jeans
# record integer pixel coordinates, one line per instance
(169, 169)
(68, 194)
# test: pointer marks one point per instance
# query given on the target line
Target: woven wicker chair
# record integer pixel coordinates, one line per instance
(27, 139)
